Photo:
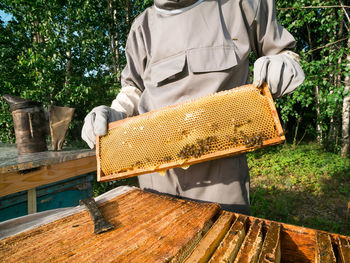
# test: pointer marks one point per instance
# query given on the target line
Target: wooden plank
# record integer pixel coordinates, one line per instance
(149, 228)
(229, 247)
(298, 243)
(271, 250)
(343, 250)
(32, 201)
(212, 239)
(20, 181)
(10, 161)
(251, 247)
(324, 250)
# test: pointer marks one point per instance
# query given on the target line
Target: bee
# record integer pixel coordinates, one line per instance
(249, 121)
(214, 126)
(200, 142)
(234, 140)
(167, 158)
(185, 133)
(138, 164)
(197, 153)
(246, 140)
(212, 139)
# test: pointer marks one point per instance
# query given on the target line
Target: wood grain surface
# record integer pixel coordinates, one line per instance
(343, 250)
(251, 247)
(211, 240)
(271, 249)
(229, 247)
(149, 228)
(324, 249)
(14, 182)
(160, 228)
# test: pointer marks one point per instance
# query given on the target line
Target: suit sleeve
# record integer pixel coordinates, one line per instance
(136, 58)
(131, 78)
(268, 37)
(271, 43)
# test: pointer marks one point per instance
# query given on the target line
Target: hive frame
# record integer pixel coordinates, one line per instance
(280, 138)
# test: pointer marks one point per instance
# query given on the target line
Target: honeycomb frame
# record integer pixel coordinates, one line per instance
(182, 147)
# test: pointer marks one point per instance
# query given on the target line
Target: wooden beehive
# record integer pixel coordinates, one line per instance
(218, 125)
(155, 228)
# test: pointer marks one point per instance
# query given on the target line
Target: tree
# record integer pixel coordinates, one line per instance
(321, 32)
(346, 109)
(66, 53)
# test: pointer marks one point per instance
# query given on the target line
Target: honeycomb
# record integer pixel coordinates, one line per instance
(215, 126)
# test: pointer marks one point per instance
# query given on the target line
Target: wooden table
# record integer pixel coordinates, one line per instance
(26, 172)
(159, 228)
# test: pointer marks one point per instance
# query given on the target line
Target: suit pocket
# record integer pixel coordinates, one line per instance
(166, 70)
(211, 59)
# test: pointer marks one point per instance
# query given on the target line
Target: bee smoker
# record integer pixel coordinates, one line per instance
(30, 124)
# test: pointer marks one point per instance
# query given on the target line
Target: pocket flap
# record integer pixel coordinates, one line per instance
(168, 67)
(211, 59)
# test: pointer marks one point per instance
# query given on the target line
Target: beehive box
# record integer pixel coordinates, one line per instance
(176, 231)
(218, 125)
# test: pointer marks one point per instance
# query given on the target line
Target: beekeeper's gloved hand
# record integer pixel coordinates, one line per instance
(95, 123)
(282, 73)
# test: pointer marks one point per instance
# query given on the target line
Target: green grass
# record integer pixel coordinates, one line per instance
(304, 186)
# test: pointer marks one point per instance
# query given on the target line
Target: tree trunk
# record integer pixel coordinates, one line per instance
(37, 37)
(113, 39)
(68, 52)
(334, 125)
(317, 97)
(128, 13)
(68, 67)
(346, 113)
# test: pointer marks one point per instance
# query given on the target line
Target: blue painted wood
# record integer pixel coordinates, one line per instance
(13, 207)
(65, 193)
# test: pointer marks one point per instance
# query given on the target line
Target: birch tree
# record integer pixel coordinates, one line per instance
(346, 110)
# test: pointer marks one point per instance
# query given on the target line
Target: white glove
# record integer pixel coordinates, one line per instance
(95, 123)
(282, 73)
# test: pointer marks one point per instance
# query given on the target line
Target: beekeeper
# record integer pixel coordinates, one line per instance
(178, 50)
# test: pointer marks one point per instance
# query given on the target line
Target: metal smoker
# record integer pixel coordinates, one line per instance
(29, 123)
(32, 124)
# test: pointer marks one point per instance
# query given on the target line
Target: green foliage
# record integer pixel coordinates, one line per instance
(59, 53)
(303, 186)
(321, 35)
(99, 188)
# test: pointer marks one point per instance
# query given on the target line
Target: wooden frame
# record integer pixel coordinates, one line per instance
(280, 138)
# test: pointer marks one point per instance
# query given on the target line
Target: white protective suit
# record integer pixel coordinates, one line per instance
(181, 50)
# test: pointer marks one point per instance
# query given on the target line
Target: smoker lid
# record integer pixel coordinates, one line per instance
(17, 103)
